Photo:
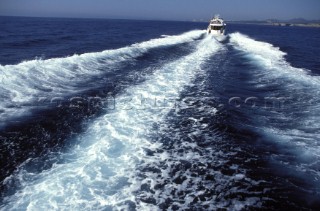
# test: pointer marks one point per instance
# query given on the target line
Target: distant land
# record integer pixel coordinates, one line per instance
(275, 22)
(301, 22)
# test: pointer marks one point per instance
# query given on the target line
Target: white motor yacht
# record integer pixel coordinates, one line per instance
(216, 26)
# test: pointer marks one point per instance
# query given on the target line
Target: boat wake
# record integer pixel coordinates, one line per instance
(297, 85)
(26, 85)
(291, 119)
(100, 171)
(169, 140)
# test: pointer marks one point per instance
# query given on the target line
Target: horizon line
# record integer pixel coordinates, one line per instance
(100, 18)
(147, 19)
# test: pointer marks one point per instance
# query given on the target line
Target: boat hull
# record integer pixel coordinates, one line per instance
(215, 32)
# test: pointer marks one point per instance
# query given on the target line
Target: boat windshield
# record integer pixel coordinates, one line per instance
(216, 27)
(215, 22)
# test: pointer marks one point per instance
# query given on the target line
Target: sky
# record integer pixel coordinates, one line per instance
(164, 9)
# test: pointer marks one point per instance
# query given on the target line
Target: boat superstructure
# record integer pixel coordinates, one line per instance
(216, 26)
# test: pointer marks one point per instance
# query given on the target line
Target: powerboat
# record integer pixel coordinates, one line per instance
(216, 26)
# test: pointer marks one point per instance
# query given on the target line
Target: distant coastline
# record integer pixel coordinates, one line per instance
(300, 22)
(286, 24)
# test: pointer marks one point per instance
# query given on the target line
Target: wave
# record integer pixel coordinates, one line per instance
(294, 126)
(294, 84)
(99, 173)
(24, 84)
(272, 58)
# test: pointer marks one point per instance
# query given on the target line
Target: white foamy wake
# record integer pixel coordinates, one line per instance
(24, 84)
(272, 59)
(99, 173)
(300, 115)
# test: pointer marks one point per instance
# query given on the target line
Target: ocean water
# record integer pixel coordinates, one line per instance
(152, 115)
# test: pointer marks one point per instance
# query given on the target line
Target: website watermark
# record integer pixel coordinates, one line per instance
(140, 102)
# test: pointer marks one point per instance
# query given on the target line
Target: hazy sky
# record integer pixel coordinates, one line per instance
(164, 9)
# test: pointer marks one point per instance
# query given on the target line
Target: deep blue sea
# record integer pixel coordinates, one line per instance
(155, 115)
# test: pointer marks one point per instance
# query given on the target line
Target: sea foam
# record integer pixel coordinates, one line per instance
(100, 172)
(24, 84)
